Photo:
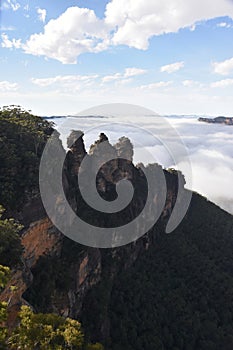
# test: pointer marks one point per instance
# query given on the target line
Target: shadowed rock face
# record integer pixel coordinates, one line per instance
(77, 151)
(217, 120)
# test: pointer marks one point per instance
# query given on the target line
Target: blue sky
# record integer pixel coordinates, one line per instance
(175, 57)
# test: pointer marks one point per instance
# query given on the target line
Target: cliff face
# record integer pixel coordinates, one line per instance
(57, 274)
(41, 238)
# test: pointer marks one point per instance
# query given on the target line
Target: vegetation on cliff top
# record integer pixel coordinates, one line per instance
(22, 139)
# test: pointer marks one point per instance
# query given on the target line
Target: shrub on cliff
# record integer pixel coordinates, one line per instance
(4, 275)
(10, 245)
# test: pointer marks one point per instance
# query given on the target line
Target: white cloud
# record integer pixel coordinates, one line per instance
(76, 31)
(126, 22)
(10, 44)
(26, 11)
(6, 86)
(65, 80)
(209, 155)
(188, 83)
(171, 68)
(137, 21)
(70, 80)
(124, 81)
(222, 83)
(131, 72)
(7, 28)
(128, 73)
(11, 5)
(224, 67)
(223, 25)
(157, 85)
(109, 78)
(41, 14)
(181, 100)
(192, 83)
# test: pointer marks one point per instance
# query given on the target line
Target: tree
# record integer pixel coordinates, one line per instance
(10, 245)
(45, 332)
(48, 332)
(4, 276)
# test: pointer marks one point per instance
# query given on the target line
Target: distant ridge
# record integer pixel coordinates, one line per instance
(88, 116)
(54, 117)
(217, 120)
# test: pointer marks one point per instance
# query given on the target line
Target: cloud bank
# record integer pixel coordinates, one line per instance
(209, 148)
(210, 152)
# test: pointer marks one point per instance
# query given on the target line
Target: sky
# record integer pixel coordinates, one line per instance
(172, 56)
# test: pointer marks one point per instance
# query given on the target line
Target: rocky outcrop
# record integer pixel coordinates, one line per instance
(78, 269)
(77, 151)
(103, 157)
(124, 148)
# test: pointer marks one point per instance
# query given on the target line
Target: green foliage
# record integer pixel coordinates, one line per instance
(4, 276)
(3, 329)
(46, 332)
(10, 246)
(22, 139)
(10, 254)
